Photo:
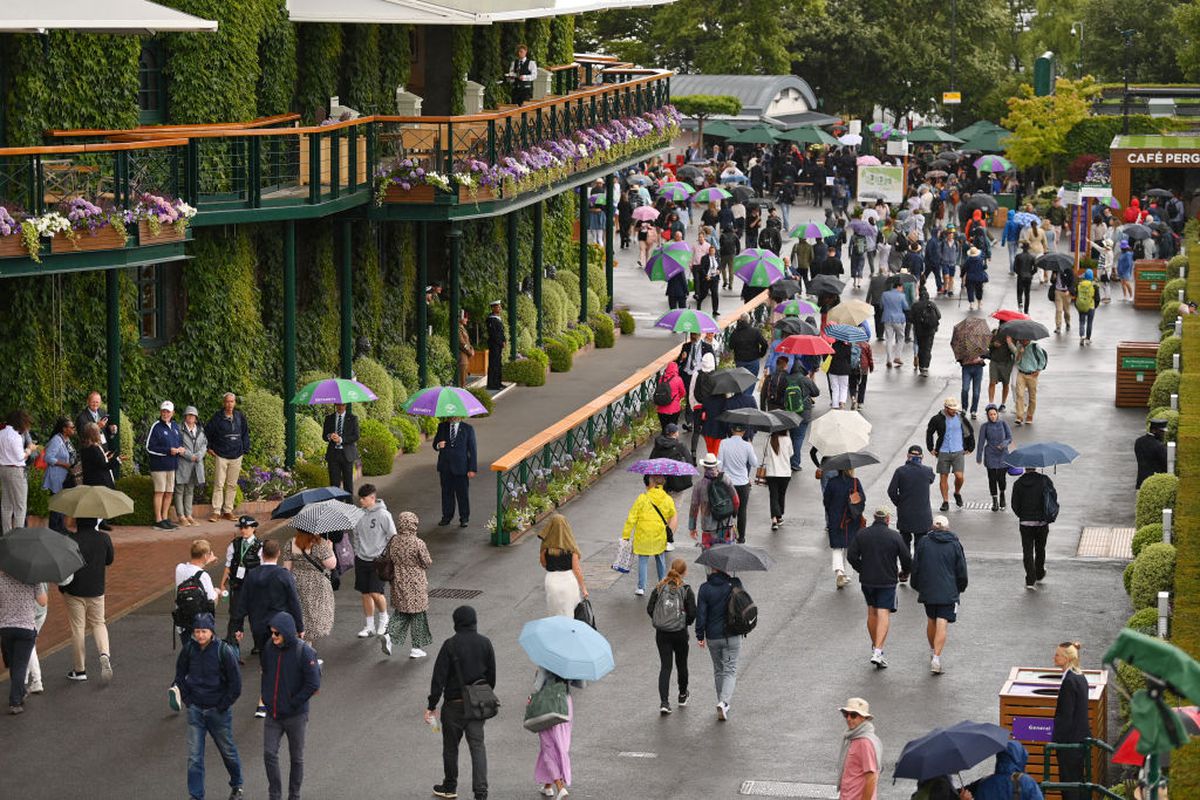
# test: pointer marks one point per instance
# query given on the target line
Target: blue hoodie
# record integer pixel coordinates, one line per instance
(1000, 785)
(1012, 231)
(711, 603)
(290, 672)
(208, 677)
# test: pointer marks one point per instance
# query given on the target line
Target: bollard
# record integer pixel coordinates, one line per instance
(1174, 402)
(1167, 517)
(1170, 458)
(1179, 326)
(1164, 612)
(1175, 360)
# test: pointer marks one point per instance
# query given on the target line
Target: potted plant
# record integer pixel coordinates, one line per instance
(10, 235)
(90, 227)
(160, 220)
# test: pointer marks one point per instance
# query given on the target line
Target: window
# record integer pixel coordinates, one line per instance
(151, 304)
(152, 89)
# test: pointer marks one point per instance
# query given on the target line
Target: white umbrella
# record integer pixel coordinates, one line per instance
(850, 140)
(840, 431)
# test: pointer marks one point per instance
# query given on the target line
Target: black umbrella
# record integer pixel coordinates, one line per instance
(972, 152)
(734, 557)
(36, 555)
(899, 278)
(1161, 227)
(825, 284)
(784, 421)
(763, 202)
(939, 165)
(782, 290)
(953, 155)
(1134, 231)
(794, 326)
(290, 506)
(689, 171)
(853, 460)
(984, 202)
(1060, 261)
(741, 193)
(1158, 193)
(951, 749)
(749, 418)
(1021, 329)
(732, 380)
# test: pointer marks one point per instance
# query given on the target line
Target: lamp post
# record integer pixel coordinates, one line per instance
(1077, 30)
(1127, 36)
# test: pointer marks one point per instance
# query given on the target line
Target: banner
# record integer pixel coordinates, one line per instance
(881, 183)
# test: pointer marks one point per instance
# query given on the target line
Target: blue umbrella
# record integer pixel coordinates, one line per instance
(567, 647)
(1042, 454)
(847, 333)
(954, 748)
(290, 506)
(1023, 218)
(735, 179)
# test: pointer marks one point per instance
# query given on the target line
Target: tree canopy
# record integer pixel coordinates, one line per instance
(1040, 125)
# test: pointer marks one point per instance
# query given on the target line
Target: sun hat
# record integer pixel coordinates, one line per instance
(710, 461)
(856, 705)
(952, 402)
(974, 251)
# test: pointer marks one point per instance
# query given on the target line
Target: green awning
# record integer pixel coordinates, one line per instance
(758, 135)
(987, 141)
(720, 129)
(808, 136)
(929, 133)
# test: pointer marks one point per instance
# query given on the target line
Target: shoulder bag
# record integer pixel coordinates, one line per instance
(547, 707)
(479, 699)
(670, 533)
(335, 580)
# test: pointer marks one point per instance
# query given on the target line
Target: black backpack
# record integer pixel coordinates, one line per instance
(662, 393)
(741, 615)
(191, 599)
(720, 500)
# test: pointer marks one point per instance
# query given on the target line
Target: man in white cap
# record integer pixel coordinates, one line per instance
(495, 340)
(949, 437)
(939, 576)
(879, 556)
(862, 753)
(164, 444)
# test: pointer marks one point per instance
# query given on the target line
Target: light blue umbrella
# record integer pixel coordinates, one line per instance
(847, 333)
(567, 647)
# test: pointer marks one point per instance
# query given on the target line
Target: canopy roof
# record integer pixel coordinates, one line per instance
(1157, 141)
(136, 17)
(447, 12)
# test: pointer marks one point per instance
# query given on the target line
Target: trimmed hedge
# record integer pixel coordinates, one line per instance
(399, 395)
(406, 432)
(527, 371)
(1157, 493)
(626, 321)
(1165, 385)
(604, 328)
(264, 415)
(140, 489)
(1144, 621)
(1177, 264)
(1172, 418)
(375, 377)
(311, 473)
(37, 498)
(1146, 535)
(560, 354)
(1167, 348)
(1153, 572)
(1127, 577)
(310, 443)
(1171, 288)
(377, 447)
(1170, 310)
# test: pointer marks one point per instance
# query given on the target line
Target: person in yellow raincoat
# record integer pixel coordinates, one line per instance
(652, 513)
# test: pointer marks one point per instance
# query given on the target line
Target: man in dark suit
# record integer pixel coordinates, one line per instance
(495, 340)
(341, 432)
(909, 490)
(455, 446)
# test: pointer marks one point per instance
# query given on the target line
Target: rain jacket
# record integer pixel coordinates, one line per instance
(208, 677)
(645, 526)
(939, 569)
(475, 656)
(909, 490)
(841, 522)
(290, 672)
(1009, 780)
(675, 383)
(994, 439)
(1012, 231)
(674, 449)
(711, 603)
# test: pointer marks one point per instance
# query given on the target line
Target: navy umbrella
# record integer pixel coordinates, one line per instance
(290, 506)
(951, 749)
(1042, 454)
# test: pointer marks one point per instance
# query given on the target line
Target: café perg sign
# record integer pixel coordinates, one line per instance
(1163, 158)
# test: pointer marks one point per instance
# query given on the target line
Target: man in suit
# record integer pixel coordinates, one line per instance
(93, 412)
(496, 340)
(455, 446)
(341, 432)
(522, 74)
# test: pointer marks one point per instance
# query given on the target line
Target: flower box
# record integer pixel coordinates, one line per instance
(11, 246)
(105, 238)
(166, 234)
(422, 194)
(480, 195)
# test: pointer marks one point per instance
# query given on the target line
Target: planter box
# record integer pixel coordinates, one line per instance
(11, 247)
(104, 239)
(165, 235)
(1137, 366)
(422, 194)
(481, 196)
(326, 160)
(1149, 275)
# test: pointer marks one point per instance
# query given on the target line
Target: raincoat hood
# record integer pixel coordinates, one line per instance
(977, 215)
(672, 370)
(1011, 213)
(406, 522)
(708, 363)
(284, 623)
(1012, 759)
(942, 536)
(464, 619)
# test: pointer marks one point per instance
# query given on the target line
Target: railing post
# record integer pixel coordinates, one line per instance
(314, 168)
(1168, 517)
(254, 186)
(289, 343)
(335, 163)
(1164, 613)
(499, 536)
(583, 253)
(352, 158)
(372, 159)
(192, 172)
(538, 266)
(491, 142)
(423, 307)
(1170, 458)
(609, 210)
(448, 164)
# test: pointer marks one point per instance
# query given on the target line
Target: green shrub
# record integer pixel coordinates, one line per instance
(525, 371)
(377, 447)
(1167, 348)
(555, 308)
(1153, 572)
(1170, 310)
(1127, 577)
(405, 429)
(1177, 265)
(1172, 418)
(401, 361)
(310, 376)
(1165, 385)
(569, 282)
(627, 322)
(1171, 288)
(312, 474)
(585, 331)
(560, 356)
(375, 377)
(1132, 680)
(603, 327)
(1147, 534)
(485, 399)
(594, 305)
(264, 415)
(442, 368)
(1157, 493)
(526, 340)
(140, 489)
(310, 442)
(1144, 621)
(399, 395)
(427, 425)
(37, 498)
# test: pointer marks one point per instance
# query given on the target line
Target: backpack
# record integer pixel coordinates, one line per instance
(191, 599)
(662, 393)
(1085, 296)
(858, 244)
(795, 399)
(669, 614)
(1040, 358)
(741, 615)
(720, 500)
(855, 357)
(925, 317)
(1049, 503)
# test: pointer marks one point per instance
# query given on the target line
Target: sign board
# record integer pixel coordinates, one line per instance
(855, 127)
(1033, 729)
(951, 98)
(1152, 157)
(897, 147)
(881, 183)
(1085, 190)
(1138, 363)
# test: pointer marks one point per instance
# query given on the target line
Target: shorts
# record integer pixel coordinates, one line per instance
(881, 597)
(164, 482)
(949, 462)
(999, 373)
(366, 578)
(948, 271)
(946, 611)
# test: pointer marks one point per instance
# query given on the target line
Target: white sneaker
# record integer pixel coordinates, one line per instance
(670, 546)
(842, 580)
(639, 592)
(935, 665)
(561, 793)
(105, 668)
(417, 652)
(382, 627)
(366, 632)
(722, 711)
(385, 642)
(548, 791)
(35, 687)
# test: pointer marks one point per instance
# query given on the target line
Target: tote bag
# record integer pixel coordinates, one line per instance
(624, 560)
(547, 707)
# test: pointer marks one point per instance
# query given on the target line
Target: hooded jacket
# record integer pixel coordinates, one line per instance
(747, 342)
(290, 672)
(208, 677)
(474, 654)
(909, 491)
(939, 572)
(675, 384)
(994, 438)
(410, 559)
(1010, 762)
(711, 603)
(1012, 230)
(674, 449)
(1029, 496)
(267, 590)
(372, 532)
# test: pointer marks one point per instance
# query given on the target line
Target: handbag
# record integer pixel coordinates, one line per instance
(547, 707)
(385, 568)
(344, 551)
(624, 560)
(584, 613)
(760, 476)
(479, 699)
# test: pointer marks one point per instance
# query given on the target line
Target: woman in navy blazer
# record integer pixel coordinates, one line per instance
(1071, 717)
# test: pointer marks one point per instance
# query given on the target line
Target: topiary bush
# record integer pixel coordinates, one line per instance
(554, 308)
(1147, 534)
(1171, 288)
(1165, 385)
(140, 489)
(1170, 310)
(427, 425)
(375, 377)
(626, 321)
(311, 474)
(603, 327)
(1157, 493)
(1144, 621)
(1177, 264)
(1167, 348)
(399, 395)
(586, 334)
(442, 368)
(264, 415)
(485, 399)
(526, 371)
(401, 361)
(1153, 572)
(1127, 577)
(36, 498)
(560, 355)
(405, 429)
(310, 442)
(377, 447)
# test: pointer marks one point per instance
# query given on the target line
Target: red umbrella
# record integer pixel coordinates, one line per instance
(802, 345)
(1008, 315)
(1126, 752)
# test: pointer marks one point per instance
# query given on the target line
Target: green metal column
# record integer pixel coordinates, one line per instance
(583, 252)
(538, 267)
(289, 343)
(455, 235)
(112, 329)
(422, 305)
(609, 210)
(347, 290)
(512, 285)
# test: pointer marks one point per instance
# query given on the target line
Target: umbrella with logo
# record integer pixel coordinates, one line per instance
(846, 333)
(840, 431)
(993, 164)
(1041, 455)
(758, 267)
(713, 194)
(748, 418)
(878, 128)
(328, 516)
(598, 199)
(850, 312)
(668, 260)
(292, 505)
(794, 326)
(662, 466)
(687, 320)
(444, 401)
(332, 391)
(1024, 329)
(732, 380)
(39, 555)
(852, 460)
(1109, 202)
(91, 502)
(1008, 315)
(676, 191)
(810, 230)
(734, 557)
(825, 284)
(645, 213)
(948, 750)
(569, 648)
(802, 345)
(971, 338)
(794, 308)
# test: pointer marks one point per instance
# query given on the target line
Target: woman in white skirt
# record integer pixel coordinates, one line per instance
(564, 575)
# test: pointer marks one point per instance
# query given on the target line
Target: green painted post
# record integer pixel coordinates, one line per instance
(455, 235)
(347, 290)
(609, 210)
(112, 327)
(289, 343)
(499, 535)
(583, 252)
(538, 267)
(512, 285)
(422, 306)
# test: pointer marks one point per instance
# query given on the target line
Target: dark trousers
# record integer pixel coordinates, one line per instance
(454, 725)
(1023, 285)
(714, 294)
(676, 302)
(1070, 770)
(777, 488)
(16, 644)
(858, 385)
(495, 362)
(974, 291)
(912, 539)
(341, 471)
(1033, 551)
(924, 349)
(878, 322)
(671, 645)
(273, 732)
(666, 419)
(997, 480)
(232, 628)
(743, 492)
(455, 488)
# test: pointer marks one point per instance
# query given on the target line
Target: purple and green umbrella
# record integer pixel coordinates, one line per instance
(993, 164)
(332, 391)
(668, 260)
(713, 194)
(598, 199)
(688, 320)
(794, 308)
(444, 401)
(878, 128)
(677, 191)
(810, 230)
(662, 466)
(1111, 202)
(758, 267)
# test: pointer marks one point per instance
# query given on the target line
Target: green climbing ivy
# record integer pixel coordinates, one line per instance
(208, 75)
(319, 49)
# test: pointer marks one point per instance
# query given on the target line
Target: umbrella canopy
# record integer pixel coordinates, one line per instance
(867, 161)
(1021, 329)
(950, 155)
(1110, 202)
(1127, 752)
(810, 230)
(328, 516)
(333, 391)
(808, 135)
(850, 312)
(642, 180)
(1008, 315)
(759, 270)
(720, 129)
(938, 165)
(444, 401)
(39, 555)
(846, 333)
(1042, 454)
(691, 173)
(687, 320)
(850, 139)
(794, 326)
(749, 418)
(878, 127)
(970, 338)
(760, 202)
(1163, 193)
(840, 431)
(756, 255)
(1163, 660)
(1054, 261)
(954, 748)
(929, 133)
(756, 135)
(668, 260)
(794, 308)
(290, 506)
(862, 227)
(1023, 218)
(662, 466)
(92, 502)
(781, 290)
(645, 213)
(675, 191)
(733, 178)
(984, 202)
(783, 421)
(852, 460)
(993, 164)
(936, 173)
(569, 648)
(713, 194)
(732, 380)
(734, 557)
(741, 194)
(1134, 231)
(825, 284)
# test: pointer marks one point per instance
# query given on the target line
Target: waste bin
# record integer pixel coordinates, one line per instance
(1137, 366)
(1149, 275)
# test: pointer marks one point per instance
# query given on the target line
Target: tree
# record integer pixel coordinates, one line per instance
(702, 106)
(1040, 125)
(1153, 43)
(1187, 39)
(1050, 30)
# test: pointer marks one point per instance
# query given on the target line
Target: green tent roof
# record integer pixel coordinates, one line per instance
(978, 127)
(929, 133)
(757, 135)
(720, 129)
(808, 135)
(987, 141)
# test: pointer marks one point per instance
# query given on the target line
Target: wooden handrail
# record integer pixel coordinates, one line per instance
(562, 67)
(261, 122)
(535, 443)
(223, 133)
(96, 147)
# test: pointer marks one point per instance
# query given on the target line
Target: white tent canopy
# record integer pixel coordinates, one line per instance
(447, 12)
(96, 16)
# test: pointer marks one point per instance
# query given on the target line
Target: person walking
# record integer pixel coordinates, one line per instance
(672, 609)
(925, 317)
(861, 756)
(799, 397)
(454, 442)
(668, 445)
(1086, 296)
(975, 276)
(1000, 367)
(209, 683)
(1030, 359)
(164, 445)
(189, 471)
(1025, 267)
(939, 575)
(714, 505)
(841, 364)
(14, 482)
(62, 467)
(876, 288)
(559, 556)
(1064, 289)
(291, 676)
(909, 491)
(879, 556)
(369, 539)
(670, 388)
(465, 658)
(972, 383)
(844, 500)
(749, 346)
(267, 590)
(1125, 270)
(777, 461)
(194, 590)
(862, 364)
(1150, 451)
(309, 557)
(1035, 502)
(739, 462)
(242, 555)
(1010, 237)
(410, 562)
(1071, 719)
(895, 314)
(340, 431)
(649, 519)
(994, 439)
(228, 435)
(84, 599)
(950, 437)
(552, 770)
(723, 646)
(19, 604)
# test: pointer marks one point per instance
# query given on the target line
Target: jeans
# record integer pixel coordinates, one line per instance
(1012, 254)
(1085, 323)
(218, 724)
(671, 645)
(273, 732)
(752, 366)
(858, 386)
(724, 654)
(778, 486)
(454, 725)
(660, 566)
(972, 380)
(743, 493)
(16, 645)
(798, 433)
(784, 209)
(1033, 551)
(1023, 290)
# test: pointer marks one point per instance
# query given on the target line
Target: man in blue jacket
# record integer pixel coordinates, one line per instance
(1009, 781)
(939, 576)
(909, 491)
(164, 445)
(454, 442)
(268, 589)
(724, 648)
(228, 440)
(209, 683)
(290, 677)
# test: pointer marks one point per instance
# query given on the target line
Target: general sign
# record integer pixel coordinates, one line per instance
(951, 98)
(881, 183)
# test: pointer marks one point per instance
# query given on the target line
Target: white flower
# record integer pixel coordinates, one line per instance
(51, 223)
(185, 211)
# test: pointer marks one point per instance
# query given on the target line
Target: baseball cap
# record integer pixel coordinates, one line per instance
(166, 405)
(915, 450)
